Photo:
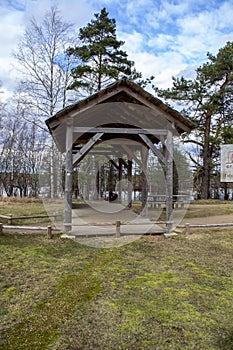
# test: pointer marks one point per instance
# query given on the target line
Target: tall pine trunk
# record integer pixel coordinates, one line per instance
(205, 185)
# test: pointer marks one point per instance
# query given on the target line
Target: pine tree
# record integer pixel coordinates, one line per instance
(208, 101)
(100, 57)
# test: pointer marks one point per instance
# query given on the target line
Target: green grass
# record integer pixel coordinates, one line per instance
(155, 293)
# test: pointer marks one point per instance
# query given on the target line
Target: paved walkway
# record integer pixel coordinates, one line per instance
(101, 220)
(94, 224)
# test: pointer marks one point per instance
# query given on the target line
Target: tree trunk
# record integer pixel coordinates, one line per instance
(129, 183)
(144, 156)
(226, 197)
(205, 185)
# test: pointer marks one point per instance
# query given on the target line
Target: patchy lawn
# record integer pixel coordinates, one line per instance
(155, 293)
(30, 207)
(23, 207)
(206, 208)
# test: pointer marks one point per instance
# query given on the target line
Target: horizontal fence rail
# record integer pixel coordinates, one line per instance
(10, 217)
(48, 229)
(167, 224)
(188, 226)
(118, 224)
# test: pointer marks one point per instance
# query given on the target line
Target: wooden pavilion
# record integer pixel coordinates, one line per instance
(122, 111)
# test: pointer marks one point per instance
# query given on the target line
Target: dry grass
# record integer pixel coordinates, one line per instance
(29, 207)
(23, 207)
(209, 208)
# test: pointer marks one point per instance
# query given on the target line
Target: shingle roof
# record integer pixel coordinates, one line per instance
(111, 94)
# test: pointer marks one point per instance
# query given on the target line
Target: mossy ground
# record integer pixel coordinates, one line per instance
(155, 293)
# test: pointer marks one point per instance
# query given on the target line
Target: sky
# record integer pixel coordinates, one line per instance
(164, 38)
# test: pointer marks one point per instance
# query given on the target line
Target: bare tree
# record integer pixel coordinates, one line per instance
(43, 63)
(45, 69)
(21, 146)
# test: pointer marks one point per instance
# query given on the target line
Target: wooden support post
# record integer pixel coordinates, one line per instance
(118, 229)
(111, 187)
(169, 180)
(130, 185)
(52, 182)
(68, 175)
(97, 184)
(144, 156)
(120, 181)
(1, 227)
(49, 232)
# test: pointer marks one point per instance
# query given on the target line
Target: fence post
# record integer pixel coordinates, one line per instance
(49, 232)
(118, 229)
(10, 219)
(187, 229)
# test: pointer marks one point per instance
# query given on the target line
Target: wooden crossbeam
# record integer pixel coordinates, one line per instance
(132, 155)
(169, 176)
(86, 148)
(153, 148)
(132, 131)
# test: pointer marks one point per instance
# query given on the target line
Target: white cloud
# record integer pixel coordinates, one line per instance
(224, 15)
(16, 16)
(192, 25)
(134, 9)
(169, 53)
(161, 41)
(158, 65)
(77, 12)
(176, 9)
(156, 17)
(162, 65)
(164, 13)
(134, 42)
(10, 30)
(201, 33)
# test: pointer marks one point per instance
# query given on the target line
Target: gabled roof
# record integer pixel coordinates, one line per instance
(122, 103)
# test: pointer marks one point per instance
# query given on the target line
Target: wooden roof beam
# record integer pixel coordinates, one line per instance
(131, 131)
